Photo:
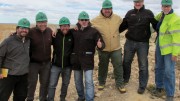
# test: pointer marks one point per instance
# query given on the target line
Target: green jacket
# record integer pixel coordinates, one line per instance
(169, 34)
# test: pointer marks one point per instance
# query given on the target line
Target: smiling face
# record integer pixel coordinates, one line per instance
(83, 22)
(22, 31)
(107, 12)
(138, 4)
(64, 28)
(42, 25)
(166, 8)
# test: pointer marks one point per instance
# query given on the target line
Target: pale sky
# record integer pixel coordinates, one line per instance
(13, 10)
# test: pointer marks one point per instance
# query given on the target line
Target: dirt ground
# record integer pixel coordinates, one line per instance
(110, 93)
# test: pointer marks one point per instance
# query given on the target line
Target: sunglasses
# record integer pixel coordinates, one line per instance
(166, 6)
(84, 19)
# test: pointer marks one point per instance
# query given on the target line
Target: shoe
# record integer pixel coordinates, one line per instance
(62, 99)
(159, 92)
(122, 89)
(80, 99)
(100, 87)
(169, 98)
(141, 90)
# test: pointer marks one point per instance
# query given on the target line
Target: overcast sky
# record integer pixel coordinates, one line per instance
(12, 10)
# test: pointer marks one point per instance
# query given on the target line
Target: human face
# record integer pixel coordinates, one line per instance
(166, 9)
(138, 4)
(64, 28)
(83, 22)
(22, 31)
(107, 12)
(42, 25)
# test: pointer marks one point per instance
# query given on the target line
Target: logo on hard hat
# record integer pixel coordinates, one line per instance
(24, 22)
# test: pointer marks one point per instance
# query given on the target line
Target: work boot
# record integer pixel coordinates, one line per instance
(141, 90)
(79, 99)
(159, 92)
(100, 87)
(169, 98)
(122, 89)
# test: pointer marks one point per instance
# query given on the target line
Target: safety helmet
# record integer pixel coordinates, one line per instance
(107, 4)
(23, 23)
(83, 15)
(64, 21)
(166, 2)
(41, 17)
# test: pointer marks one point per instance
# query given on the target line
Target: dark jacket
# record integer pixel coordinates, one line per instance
(62, 49)
(40, 45)
(14, 55)
(85, 42)
(138, 24)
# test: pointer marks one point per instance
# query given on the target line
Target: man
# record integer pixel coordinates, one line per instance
(62, 45)
(85, 41)
(40, 57)
(14, 56)
(108, 24)
(167, 49)
(137, 21)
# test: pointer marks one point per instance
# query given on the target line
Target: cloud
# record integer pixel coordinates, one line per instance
(13, 10)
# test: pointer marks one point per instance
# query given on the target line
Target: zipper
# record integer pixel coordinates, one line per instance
(43, 43)
(63, 52)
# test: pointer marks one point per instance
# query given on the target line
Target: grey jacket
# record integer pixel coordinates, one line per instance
(14, 55)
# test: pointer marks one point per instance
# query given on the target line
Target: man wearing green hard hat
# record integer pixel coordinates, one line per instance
(40, 57)
(167, 50)
(62, 49)
(137, 21)
(14, 63)
(107, 23)
(86, 39)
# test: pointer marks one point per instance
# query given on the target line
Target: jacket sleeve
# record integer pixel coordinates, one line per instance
(3, 50)
(175, 32)
(124, 24)
(98, 36)
(153, 21)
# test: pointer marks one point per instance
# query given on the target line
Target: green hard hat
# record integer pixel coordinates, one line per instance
(24, 23)
(166, 2)
(83, 15)
(41, 17)
(107, 4)
(138, 0)
(64, 21)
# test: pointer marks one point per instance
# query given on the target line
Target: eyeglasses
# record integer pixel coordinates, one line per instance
(166, 6)
(23, 28)
(84, 19)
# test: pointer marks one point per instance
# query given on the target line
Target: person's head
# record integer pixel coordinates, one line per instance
(41, 21)
(22, 28)
(83, 19)
(166, 6)
(64, 24)
(138, 4)
(107, 8)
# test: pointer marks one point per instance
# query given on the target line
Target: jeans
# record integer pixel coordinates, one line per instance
(89, 84)
(116, 60)
(164, 72)
(54, 77)
(141, 48)
(16, 84)
(43, 70)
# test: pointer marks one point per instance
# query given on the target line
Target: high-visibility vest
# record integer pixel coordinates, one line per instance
(169, 34)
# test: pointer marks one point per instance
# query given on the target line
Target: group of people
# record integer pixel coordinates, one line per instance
(27, 53)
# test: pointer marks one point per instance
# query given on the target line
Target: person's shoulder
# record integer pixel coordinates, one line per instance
(49, 29)
(148, 11)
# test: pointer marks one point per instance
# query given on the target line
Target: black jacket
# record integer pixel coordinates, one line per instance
(62, 45)
(85, 42)
(138, 24)
(40, 45)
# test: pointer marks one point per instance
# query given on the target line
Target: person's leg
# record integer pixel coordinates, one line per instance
(6, 87)
(129, 53)
(78, 78)
(32, 80)
(66, 76)
(89, 85)
(20, 89)
(142, 54)
(169, 77)
(116, 59)
(44, 80)
(103, 67)
(54, 77)
(159, 68)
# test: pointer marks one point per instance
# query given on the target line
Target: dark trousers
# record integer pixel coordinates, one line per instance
(141, 48)
(16, 84)
(43, 70)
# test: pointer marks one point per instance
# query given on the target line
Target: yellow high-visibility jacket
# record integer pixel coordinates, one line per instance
(169, 34)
